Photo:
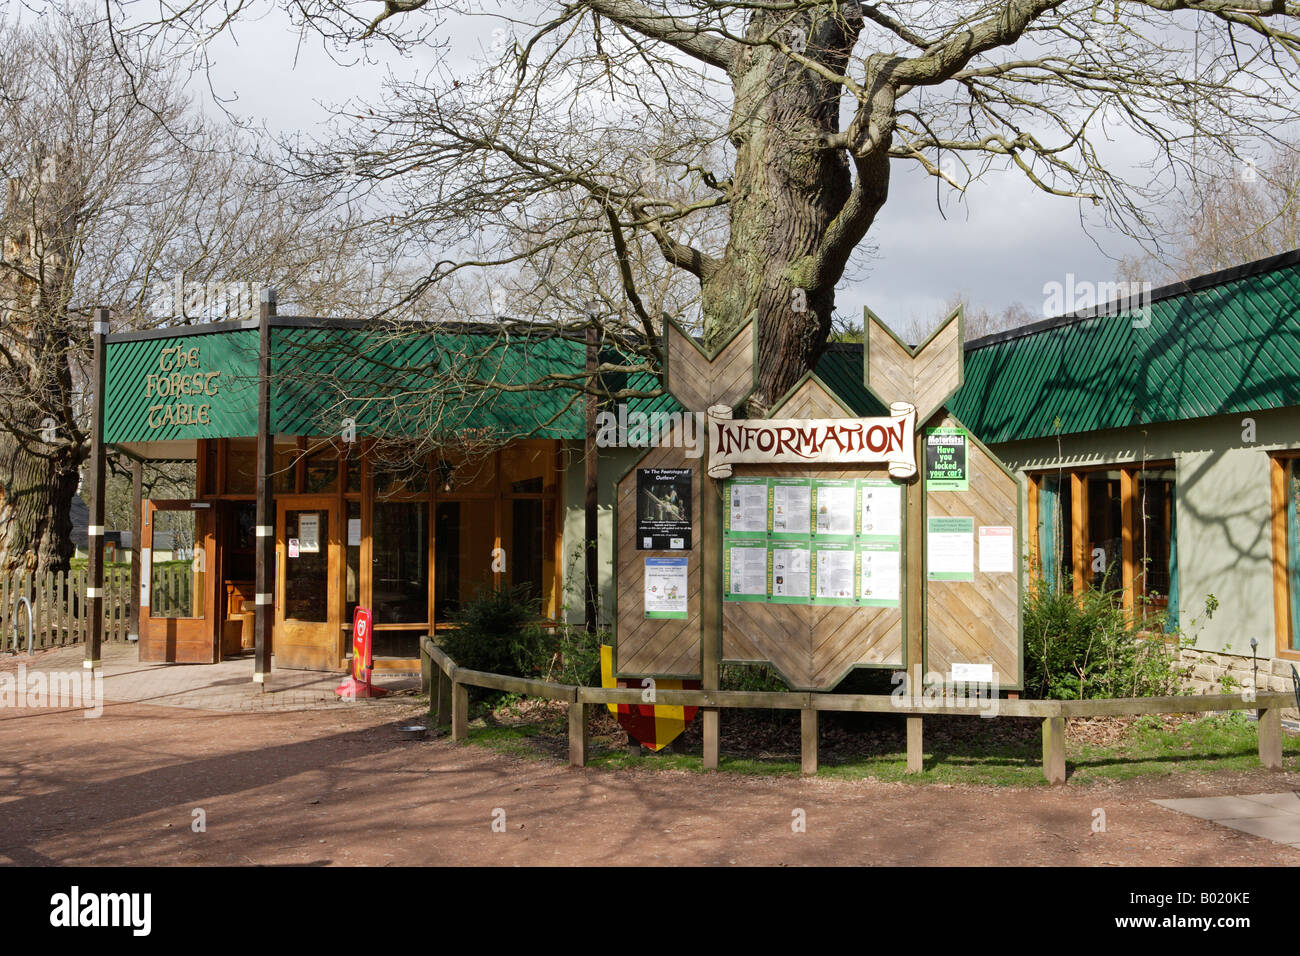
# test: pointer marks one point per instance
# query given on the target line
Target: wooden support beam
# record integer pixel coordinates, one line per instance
(591, 504)
(1054, 749)
(1128, 514)
(426, 675)
(265, 532)
(1270, 738)
(915, 745)
(579, 733)
(459, 711)
(442, 709)
(95, 523)
(137, 531)
(709, 717)
(808, 740)
(1078, 529)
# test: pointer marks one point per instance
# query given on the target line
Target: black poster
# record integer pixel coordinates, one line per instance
(663, 509)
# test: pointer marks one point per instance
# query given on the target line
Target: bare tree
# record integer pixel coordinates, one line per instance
(115, 184)
(776, 123)
(1235, 211)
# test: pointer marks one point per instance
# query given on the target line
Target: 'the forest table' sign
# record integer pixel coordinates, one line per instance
(813, 441)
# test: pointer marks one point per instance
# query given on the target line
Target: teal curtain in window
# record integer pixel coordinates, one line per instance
(1048, 505)
(1293, 547)
(1171, 615)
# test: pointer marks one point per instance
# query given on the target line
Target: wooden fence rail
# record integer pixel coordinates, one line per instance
(59, 609)
(447, 686)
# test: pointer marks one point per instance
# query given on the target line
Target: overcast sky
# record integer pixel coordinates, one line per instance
(998, 247)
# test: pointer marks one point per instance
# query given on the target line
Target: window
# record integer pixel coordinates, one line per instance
(1285, 479)
(1113, 528)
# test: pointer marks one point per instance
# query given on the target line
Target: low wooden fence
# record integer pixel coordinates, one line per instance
(448, 688)
(59, 608)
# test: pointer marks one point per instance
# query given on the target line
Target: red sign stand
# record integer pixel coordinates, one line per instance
(358, 683)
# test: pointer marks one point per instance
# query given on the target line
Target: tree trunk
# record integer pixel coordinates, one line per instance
(36, 493)
(41, 447)
(786, 189)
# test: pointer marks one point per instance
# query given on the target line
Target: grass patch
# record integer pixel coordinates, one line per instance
(979, 753)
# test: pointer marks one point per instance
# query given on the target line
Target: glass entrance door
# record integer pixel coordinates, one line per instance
(309, 595)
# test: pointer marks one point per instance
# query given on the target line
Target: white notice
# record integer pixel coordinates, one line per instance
(790, 578)
(881, 577)
(835, 506)
(748, 508)
(950, 548)
(835, 575)
(309, 532)
(354, 532)
(749, 570)
(791, 508)
(882, 511)
(997, 551)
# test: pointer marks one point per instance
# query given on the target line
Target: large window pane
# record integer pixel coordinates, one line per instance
(463, 538)
(1104, 521)
(1152, 547)
(306, 577)
(400, 563)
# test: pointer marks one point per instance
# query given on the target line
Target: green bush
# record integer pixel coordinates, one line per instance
(1083, 647)
(499, 632)
(751, 677)
(494, 632)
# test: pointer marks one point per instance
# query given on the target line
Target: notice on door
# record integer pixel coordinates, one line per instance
(309, 532)
(950, 549)
(666, 586)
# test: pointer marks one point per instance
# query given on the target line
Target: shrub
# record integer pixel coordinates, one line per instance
(1080, 647)
(494, 632)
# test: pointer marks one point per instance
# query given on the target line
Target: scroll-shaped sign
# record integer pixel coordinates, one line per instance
(813, 441)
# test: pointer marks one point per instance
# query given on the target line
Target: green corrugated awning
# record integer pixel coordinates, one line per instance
(1222, 347)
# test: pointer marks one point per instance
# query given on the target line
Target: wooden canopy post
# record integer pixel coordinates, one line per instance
(591, 531)
(710, 607)
(265, 568)
(137, 529)
(95, 525)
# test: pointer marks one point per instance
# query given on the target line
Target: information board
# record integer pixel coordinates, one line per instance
(834, 541)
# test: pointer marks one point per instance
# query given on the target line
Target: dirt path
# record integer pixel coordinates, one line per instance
(341, 787)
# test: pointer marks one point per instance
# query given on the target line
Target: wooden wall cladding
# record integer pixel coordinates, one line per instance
(698, 382)
(977, 622)
(812, 646)
(658, 647)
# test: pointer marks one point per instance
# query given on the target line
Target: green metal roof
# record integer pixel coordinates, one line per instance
(1221, 344)
(391, 381)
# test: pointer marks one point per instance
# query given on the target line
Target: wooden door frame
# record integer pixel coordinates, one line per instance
(211, 620)
(336, 568)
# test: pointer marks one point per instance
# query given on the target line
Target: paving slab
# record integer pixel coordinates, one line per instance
(1219, 809)
(225, 686)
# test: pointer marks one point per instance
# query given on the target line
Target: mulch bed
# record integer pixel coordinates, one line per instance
(774, 735)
